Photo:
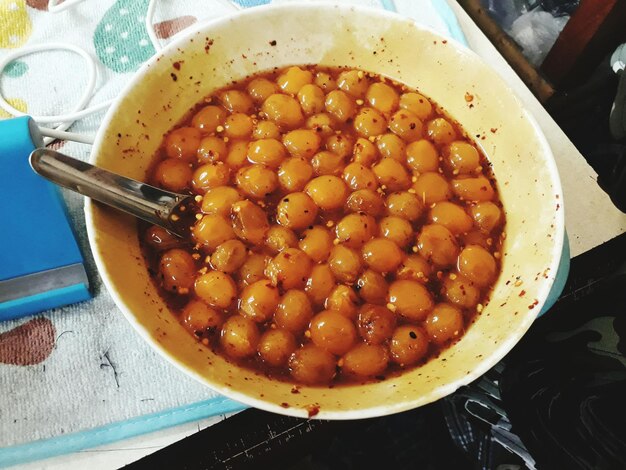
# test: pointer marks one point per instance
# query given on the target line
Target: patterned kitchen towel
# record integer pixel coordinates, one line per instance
(80, 376)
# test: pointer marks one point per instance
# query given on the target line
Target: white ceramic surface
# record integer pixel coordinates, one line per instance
(212, 55)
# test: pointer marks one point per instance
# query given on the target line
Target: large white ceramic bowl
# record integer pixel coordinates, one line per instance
(211, 56)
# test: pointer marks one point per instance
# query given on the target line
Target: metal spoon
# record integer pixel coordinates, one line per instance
(146, 202)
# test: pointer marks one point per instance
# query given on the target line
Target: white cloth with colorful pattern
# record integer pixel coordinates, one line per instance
(81, 376)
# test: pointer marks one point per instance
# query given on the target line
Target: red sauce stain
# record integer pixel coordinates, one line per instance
(39, 4)
(312, 410)
(56, 145)
(169, 28)
(207, 45)
(28, 344)
(176, 65)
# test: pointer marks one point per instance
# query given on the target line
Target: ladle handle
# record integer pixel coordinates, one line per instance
(134, 197)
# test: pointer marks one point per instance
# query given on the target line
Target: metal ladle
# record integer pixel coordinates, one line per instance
(142, 200)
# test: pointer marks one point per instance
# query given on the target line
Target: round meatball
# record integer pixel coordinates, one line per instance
(365, 360)
(320, 284)
(261, 89)
(404, 204)
(293, 79)
(367, 201)
(370, 122)
(289, 269)
(437, 244)
(441, 131)
(296, 211)
(311, 98)
(183, 143)
(414, 268)
(487, 216)
(463, 158)
(211, 231)
(392, 174)
(280, 238)
(276, 346)
(372, 287)
(257, 181)
(478, 265)
(294, 311)
(391, 146)
(473, 189)
(408, 345)
(407, 125)
(210, 175)
(410, 299)
(220, 200)
(236, 101)
(294, 173)
(451, 216)
(364, 152)
(376, 323)
(317, 243)
(238, 126)
(249, 222)
(269, 152)
(382, 97)
(312, 365)
(422, 156)
(177, 271)
(160, 239)
(239, 337)
(382, 255)
(302, 143)
(332, 331)
(355, 229)
(208, 118)
(342, 299)
(444, 323)
(216, 288)
(212, 149)
(229, 256)
(328, 192)
(201, 319)
(345, 263)
(327, 163)
(397, 229)
(253, 268)
(173, 174)
(460, 291)
(353, 82)
(259, 301)
(284, 110)
(341, 144)
(432, 187)
(340, 105)
(416, 103)
(358, 176)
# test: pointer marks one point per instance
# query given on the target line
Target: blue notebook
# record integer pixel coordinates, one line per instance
(41, 266)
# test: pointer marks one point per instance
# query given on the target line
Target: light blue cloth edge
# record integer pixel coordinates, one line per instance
(74, 442)
(450, 19)
(107, 434)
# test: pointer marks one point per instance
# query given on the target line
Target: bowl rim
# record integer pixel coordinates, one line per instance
(481, 368)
